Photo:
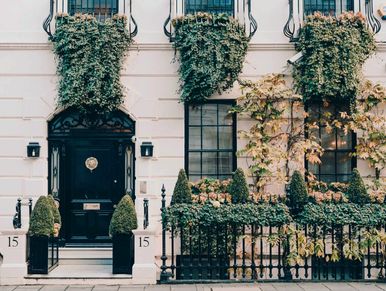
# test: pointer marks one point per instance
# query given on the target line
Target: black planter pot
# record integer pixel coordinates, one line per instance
(202, 267)
(43, 254)
(123, 253)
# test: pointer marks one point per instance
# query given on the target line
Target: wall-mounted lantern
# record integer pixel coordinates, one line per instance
(146, 149)
(33, 150)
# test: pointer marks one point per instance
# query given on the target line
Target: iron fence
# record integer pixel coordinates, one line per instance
(299, 9)
(239, 9)
(224, 252)
(100, 9)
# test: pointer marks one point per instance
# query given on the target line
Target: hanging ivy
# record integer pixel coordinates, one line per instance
(334, 50)
(212, 50)
(90, 57)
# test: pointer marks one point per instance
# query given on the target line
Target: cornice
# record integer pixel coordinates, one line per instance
(381, 46)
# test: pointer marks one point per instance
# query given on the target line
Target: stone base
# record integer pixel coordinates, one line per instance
(144, 274)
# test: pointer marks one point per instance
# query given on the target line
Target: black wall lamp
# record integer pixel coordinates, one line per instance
(33, 150)
(147, 149)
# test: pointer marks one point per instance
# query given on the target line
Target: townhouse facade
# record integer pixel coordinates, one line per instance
(88, 166)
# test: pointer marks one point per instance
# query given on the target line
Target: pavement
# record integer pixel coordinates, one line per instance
(302, 286)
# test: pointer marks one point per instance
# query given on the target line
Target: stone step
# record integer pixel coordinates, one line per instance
(85, 253)
(80, 274)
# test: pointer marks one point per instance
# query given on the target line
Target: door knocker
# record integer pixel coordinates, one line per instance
(91, 163)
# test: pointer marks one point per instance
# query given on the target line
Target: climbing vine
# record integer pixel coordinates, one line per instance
(90, 57)
(334, 50)
(212, 50)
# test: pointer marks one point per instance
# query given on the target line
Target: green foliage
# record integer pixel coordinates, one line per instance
(334, 50)
(212, 51)
(182, 192)
(357, 192)
(298, 195)
(327, 214)
(124, 218)
(42, 219)
(55, 210)
(90, 57)
(238, 214)
(238, 188)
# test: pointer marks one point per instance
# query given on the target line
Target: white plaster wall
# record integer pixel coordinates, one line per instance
(28, 91)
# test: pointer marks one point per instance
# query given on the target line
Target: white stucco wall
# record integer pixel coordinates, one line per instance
(28, 91)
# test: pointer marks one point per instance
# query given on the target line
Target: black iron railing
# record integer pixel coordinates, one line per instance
(239, 9)
(100, 9)
(17, 218)
(145, 213)
(255, 252)
(299, 9)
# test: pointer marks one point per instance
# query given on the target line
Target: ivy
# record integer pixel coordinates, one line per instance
(327, 214)
(212, 50)
(182, 215)
(90, 57)
(334, 50)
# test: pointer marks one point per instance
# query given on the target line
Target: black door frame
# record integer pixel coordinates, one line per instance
(116, 126)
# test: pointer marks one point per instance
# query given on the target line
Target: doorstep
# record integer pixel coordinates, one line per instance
(80, 274)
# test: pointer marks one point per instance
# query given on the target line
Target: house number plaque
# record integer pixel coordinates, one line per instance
(91, 206)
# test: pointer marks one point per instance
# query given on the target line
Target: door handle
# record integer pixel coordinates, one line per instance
(115, 206)
(115, 181)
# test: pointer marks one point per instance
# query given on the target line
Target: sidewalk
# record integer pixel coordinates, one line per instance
(303, 286)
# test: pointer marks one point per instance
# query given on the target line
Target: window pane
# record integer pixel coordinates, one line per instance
(195, 116)
(209, 137)
(194, 138)
(327, 178)
(224, 117)
(343, 178)
(195, 163)
(212, 6)
(328, 139)
(313, 168)
(209, 163)
(209, 114)
(344, 140)
(343, 163)
(225, 163)
(328, 7)
(328, 163)
(194, 178)
(225, 138)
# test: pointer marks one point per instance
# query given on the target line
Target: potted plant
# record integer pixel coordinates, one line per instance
(56, 214)
(122, 223)
(41, 230)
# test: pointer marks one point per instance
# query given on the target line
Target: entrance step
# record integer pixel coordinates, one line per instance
(85, 256)
(80, 274)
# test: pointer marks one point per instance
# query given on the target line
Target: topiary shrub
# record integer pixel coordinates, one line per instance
(124, 218)
(182, 192)
(55, 210)
(42, 219)
(356, 191)
(297, 191)
(238, 188)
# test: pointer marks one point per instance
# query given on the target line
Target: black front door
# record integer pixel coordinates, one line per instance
(95, 174)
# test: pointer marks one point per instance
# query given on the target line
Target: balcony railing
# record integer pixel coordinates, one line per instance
(100, 9)
(239, 9)
(299, 9)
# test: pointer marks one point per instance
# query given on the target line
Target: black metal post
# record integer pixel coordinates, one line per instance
(164, 275)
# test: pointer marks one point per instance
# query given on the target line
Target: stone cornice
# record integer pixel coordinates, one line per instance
(165, 46)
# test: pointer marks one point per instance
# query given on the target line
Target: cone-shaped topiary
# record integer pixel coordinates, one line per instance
(182, 192)
(298, 195)
(42, 219)
(238, 188)
(356, 191)
(124, 218)
(55, 210)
